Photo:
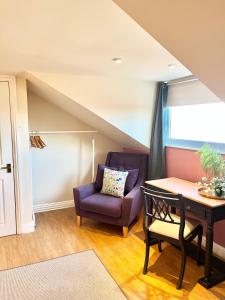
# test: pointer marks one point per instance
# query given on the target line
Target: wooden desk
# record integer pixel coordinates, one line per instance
(209, 209)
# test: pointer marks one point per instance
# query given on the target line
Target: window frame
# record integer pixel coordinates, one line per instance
(187, 144)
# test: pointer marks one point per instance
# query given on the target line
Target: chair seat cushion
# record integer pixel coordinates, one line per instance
(172, 230)
(102, 204)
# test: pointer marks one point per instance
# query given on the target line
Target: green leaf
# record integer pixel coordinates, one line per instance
(211, 161)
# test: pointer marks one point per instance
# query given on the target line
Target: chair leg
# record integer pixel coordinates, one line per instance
(125, 231)
(147, 247)
(199, 246)
(160, 246)
(182, 269)
(79, 220)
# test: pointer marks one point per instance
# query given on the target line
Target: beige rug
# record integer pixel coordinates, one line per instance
(77, 276)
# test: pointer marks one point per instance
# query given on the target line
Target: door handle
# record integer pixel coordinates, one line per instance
(8, 168)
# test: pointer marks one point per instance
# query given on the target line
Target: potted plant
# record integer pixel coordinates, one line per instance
(213, 164)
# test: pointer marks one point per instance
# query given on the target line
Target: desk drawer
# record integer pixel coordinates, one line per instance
(196, 209)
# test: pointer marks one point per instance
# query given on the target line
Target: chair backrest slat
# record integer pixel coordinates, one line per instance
(158, 206)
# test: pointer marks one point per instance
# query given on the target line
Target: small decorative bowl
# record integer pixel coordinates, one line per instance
(205, 192)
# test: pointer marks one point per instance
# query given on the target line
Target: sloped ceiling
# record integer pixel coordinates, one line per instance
(72, 97)
(193, 31)
(79, 37)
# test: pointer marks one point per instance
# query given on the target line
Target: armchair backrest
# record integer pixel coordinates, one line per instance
(129, 161)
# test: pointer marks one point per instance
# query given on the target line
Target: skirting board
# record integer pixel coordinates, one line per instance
(53, 206)
(218, 250)
(27, 228)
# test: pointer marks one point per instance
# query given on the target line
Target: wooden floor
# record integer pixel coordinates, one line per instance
(57, 234)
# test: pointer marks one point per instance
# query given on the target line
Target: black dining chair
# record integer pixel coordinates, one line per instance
(161, 224)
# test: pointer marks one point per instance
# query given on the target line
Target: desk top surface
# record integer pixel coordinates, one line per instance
(186, 188)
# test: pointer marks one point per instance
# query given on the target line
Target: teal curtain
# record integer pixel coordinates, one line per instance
(157, 158)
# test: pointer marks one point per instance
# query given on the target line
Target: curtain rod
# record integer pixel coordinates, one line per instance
(182, 80)
(63, 132)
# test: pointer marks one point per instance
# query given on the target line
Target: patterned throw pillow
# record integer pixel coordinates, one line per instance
(114, 182)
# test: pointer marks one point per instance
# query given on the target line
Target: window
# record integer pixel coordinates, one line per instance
(193, 125)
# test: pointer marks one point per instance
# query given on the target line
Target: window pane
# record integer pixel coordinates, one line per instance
(204, 122)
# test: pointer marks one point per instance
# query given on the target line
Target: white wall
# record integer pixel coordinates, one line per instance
(127, 104)
(66, 161)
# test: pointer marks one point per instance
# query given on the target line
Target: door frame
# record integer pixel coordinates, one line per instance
(13, 111)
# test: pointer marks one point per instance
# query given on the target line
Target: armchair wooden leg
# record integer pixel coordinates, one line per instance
(125, 231)
(79, 220)
(139, 216)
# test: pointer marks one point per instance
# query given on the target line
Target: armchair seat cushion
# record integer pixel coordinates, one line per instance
(102, 204)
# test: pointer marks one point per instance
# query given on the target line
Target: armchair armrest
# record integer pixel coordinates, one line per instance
(131, 206)
(82, 192)
(134, 193)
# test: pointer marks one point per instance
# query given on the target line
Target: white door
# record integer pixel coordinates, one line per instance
(7, 196)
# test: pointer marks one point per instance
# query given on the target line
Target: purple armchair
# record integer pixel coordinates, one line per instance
(90, 203)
